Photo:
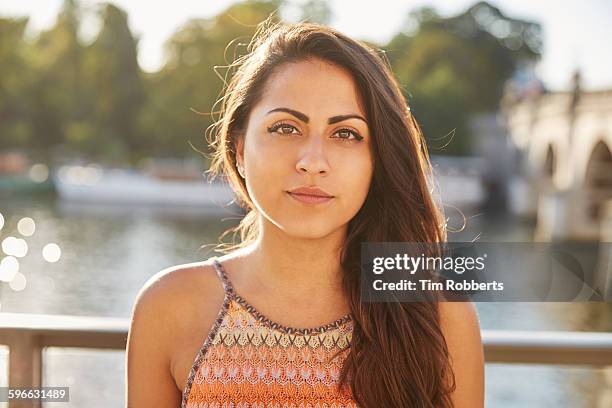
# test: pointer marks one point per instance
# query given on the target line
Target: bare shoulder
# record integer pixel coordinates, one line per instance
(169, 296)
(461, 328)
(177, 278)
(458, 313)
(172, 311)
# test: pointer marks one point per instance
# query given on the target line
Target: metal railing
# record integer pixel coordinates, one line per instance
(27, 335)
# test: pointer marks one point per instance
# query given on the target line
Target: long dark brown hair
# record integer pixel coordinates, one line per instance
(398, 355)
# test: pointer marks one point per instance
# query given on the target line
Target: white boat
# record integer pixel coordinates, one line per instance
(94, 184)
(168, 186)
(458, 180)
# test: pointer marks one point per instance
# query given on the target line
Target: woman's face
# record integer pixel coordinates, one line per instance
(308, 129)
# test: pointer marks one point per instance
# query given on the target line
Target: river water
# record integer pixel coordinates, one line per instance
(107, 254)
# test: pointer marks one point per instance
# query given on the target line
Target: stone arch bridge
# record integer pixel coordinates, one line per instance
(565, 145)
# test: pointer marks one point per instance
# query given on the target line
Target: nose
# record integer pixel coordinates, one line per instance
(313, 160)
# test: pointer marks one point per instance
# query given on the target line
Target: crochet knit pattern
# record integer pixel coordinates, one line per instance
(249, 361)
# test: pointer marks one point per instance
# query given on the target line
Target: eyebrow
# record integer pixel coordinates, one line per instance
(334, 119)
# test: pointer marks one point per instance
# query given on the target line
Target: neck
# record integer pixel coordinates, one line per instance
(295, 267)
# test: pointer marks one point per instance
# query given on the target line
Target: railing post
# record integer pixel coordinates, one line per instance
(25, 365)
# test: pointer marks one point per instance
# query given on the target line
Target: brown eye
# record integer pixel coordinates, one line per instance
(282, 128)
(287, 129)
(345, 134)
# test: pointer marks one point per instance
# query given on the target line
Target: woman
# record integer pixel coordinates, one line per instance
(322, 150)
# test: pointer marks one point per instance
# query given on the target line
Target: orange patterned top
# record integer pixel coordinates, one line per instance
(249, 361)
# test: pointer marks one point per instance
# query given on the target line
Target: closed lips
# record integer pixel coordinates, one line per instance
(311, 195)
(310, 192)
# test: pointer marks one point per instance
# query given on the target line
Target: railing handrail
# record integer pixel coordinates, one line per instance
(53, 322)
(507, 346)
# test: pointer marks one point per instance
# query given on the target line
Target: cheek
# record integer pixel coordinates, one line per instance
(356, 176)
(262, 151)
(268, 149)
(265, 175)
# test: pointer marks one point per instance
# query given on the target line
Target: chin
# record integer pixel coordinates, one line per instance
(307, 230)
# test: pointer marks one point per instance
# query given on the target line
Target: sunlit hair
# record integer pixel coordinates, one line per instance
(398, 355)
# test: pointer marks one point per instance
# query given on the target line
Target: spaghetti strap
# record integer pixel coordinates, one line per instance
(227, 285)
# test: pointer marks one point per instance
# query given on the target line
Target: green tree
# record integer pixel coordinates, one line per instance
(15, 85)
(190, 83)
(451, 68)
(316, 11)
(58, 99)
(117, 87)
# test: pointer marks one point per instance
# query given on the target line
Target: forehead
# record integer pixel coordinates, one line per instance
(312, 86)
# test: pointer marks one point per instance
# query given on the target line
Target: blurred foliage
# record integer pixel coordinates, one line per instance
(192, 78)
(451, 68)
(15, 84)
(61, 96)
(116, 81)
(316, 11)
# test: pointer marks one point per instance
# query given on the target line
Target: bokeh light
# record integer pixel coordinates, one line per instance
(51, 252)
(26, 226)
(19, 282)
(81, 175)
(39, 173)
(15, 246)
(1, 221)
(9, 266)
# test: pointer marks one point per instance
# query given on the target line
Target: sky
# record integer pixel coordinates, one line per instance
(575, 32)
